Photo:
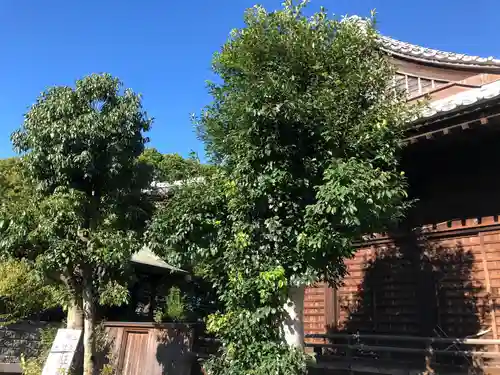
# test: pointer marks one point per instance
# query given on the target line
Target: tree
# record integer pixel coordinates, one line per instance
(307, 127)
(13, 186)
(173, 167)
(80, 148)
(24, 291)
(27, 291)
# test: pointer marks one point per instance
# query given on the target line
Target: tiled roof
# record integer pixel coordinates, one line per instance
(434, 56)
(148, 258)
(415, 52)
(462, 100)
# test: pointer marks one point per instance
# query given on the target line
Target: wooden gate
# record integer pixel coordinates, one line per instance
(148, 348)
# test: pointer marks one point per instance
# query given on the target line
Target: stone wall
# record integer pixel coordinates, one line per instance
(20, 338)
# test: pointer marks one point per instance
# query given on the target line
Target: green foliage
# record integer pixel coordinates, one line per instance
(104, 347)
(252, 306)
(307, 127)
(80, 149)
(175, 308)
(24, 291)
(268, 358)
(13, 187)
(173, 167)
(108, 370)
(112, 293)
(34, 366)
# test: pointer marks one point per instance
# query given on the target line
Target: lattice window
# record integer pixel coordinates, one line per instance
(414, 85)
(426, 84)
(400, 82)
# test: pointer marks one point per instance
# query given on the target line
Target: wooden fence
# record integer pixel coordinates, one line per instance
(394, 354)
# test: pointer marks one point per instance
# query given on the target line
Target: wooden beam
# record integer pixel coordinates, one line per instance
(329, 313)
(436, 234)
(393, 349)
(429, 135)
(469, 115)
(488, 289)
(443, 340)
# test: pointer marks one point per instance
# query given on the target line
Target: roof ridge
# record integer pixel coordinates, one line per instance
(425, 54)
(413, 51)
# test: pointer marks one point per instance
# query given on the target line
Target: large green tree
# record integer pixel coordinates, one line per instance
(80, 148)
(306, 126)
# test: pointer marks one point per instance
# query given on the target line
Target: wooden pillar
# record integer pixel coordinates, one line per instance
(487, 282)
(331, 307)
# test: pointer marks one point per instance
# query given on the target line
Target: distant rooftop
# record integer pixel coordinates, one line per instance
(165, 187)
(146, 257)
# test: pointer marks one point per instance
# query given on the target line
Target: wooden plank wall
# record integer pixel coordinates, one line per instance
(444, 281)
(147, 348)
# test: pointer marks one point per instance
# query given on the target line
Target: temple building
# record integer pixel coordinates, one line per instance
(438, 275)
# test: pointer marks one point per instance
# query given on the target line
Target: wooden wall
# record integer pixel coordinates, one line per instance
(318, 309)
(432, 284)
(443, 279)
(147, 348)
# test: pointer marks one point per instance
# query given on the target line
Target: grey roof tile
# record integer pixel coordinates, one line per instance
(433, 55)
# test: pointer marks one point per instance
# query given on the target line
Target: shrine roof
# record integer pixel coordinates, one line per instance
(410, 51)
(427, 55)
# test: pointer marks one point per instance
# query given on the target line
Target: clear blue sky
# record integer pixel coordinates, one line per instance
(163, 48)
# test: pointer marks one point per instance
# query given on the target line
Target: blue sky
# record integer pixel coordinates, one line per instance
(163, 48)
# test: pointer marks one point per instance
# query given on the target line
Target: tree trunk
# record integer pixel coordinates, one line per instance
(293, 327)
(89, 325)
(75, 315)
(74, 319)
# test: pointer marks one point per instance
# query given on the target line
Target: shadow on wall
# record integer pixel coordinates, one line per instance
(173, 352)
(417, 287)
